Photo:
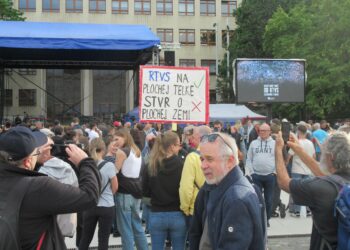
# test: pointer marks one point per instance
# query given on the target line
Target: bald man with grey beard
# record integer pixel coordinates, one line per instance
(260, 164)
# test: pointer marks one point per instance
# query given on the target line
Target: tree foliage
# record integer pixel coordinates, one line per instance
(7, 12)
(320, 33)
(251, 19)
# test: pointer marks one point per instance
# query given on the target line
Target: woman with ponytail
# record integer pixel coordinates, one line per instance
(103, 213)
(161, 183)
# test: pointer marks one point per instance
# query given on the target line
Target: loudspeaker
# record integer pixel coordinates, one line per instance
(169, 58)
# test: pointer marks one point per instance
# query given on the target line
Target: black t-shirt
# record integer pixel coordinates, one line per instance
(319, 195)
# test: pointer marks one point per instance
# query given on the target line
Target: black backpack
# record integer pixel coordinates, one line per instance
(11, 197)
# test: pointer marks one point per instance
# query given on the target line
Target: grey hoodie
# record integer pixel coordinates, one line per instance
(261, 157)
(61, 171)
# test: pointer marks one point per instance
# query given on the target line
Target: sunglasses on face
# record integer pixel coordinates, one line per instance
(213, 137)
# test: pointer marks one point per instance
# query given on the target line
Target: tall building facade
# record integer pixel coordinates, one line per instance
(192, 33)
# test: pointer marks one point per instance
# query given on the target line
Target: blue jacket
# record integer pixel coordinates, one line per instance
(233, 212)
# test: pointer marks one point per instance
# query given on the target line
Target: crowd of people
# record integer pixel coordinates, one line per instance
(202, 187)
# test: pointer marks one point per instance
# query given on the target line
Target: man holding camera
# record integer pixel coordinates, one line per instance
(39, 198)
(60, 171)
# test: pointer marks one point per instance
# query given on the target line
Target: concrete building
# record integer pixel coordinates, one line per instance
(192, 32)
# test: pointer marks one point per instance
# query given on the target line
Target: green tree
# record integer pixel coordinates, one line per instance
(320, 33)
(7, 12)
(251, 19)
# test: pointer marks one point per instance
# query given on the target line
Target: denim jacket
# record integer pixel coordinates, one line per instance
(233, 213)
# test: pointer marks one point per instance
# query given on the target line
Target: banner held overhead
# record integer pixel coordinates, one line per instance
(174, 94)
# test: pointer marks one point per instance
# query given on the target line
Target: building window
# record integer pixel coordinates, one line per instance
(187, 62)
(165, 35)
(164, 7)
(208, 37)
(51, 5)
(212, 96)
(27, 5)
(224, 37)
(208, 7)
(74, 6)
(120, 6)
(211, 64)
(27, 97)
(143, 7)
(187, 37)
(8, 97)
(186, 7)
(97, 6)
(227, 7)
(31, 72)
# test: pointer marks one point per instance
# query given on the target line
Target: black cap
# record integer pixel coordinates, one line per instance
(19, 142)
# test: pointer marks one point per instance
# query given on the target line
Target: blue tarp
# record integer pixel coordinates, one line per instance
(42, 35)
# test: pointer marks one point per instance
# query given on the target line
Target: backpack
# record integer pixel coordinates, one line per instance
(100, 166)
(10, 203)
(341, 210)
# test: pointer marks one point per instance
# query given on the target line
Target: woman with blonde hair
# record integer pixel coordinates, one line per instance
(128, 198)
(103, 213)
(161, 183)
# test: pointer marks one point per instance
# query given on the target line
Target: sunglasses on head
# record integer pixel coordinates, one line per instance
(189, 132)
(213, 137)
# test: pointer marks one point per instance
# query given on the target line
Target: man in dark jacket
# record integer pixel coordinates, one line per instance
(44, 197)
(227, 214)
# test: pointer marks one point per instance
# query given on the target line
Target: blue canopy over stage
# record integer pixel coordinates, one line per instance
(59, 45)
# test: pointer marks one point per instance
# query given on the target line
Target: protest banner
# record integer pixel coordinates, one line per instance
(174, 94)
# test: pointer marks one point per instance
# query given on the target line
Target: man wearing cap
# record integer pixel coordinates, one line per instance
(43, 197)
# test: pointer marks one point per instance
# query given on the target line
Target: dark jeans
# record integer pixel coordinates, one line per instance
(266, 183)
(276, 198)
(104, 217)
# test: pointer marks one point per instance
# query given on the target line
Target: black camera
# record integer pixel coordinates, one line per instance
(59, 150)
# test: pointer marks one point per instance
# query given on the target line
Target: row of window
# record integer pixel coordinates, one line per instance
(141, 7)
(204, 63)
(26, 97)
(187, 36)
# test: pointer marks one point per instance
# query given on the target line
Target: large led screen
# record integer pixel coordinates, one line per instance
(269, 80)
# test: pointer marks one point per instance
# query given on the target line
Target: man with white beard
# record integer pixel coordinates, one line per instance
(318, 193)
(227, 213)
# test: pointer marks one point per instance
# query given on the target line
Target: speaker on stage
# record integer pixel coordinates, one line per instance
(169, 58)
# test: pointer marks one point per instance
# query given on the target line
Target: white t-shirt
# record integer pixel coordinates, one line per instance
(298, 166)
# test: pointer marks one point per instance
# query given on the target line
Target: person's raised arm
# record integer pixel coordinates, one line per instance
(120, 158)
(283, 178)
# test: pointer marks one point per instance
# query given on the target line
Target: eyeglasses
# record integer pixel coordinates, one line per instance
(37, 153)
(212, 138)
